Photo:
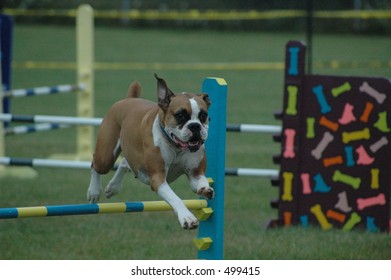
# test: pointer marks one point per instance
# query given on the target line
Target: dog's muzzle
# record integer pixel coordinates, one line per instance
(193, 144)
(195, 141)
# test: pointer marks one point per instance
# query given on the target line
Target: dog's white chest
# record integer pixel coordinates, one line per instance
(184, 163)
(174, 166)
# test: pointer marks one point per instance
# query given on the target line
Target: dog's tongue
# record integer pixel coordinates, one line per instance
(182, 145)
(191, 145)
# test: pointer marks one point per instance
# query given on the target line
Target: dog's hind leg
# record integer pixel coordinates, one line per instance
(106, 153)
(95, 187)
(115, 183)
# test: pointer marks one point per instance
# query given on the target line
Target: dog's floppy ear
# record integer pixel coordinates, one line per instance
(164, 94)
(205, 97)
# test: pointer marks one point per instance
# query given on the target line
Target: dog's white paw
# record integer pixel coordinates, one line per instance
(112, 189)
(93, 195)
(94, 189)
(93, 192)
(206, 192)
(188, 221)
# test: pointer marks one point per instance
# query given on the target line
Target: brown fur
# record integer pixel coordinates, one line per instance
(134, 90)
(127, 120)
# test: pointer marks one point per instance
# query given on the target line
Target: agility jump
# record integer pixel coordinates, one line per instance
(83, 87)
(335, 152)
(98, 208)
(210, 213)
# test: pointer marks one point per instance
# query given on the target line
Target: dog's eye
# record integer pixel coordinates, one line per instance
(203, 116)
(181, 116)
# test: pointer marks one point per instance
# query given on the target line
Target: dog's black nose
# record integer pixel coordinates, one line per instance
(194, 127)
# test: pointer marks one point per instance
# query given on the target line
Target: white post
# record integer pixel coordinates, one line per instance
(85, 75)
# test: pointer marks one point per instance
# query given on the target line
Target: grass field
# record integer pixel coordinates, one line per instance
(253, 97)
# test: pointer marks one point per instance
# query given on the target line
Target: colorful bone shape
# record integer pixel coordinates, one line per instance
(375, 178)
(287, 187)
(305, 181)
(317, 211)
(310, 128)
(322, 145)
(329, 124)
(353, 220)
(379, 144)
(340, 217)
(356, 135)
(347, 115)
(287, 218)
(381, 123)
(289, 151)
(332, 161)
(293, 61)
(343, 203)
(363, 203)
(304, 220)
(320, 96)
(337, 91)
(363, 157)
(349, 156)
(371, 226)
(354, 182)
(320, 184)
(367, 111)
(380, 97)
(292, 100)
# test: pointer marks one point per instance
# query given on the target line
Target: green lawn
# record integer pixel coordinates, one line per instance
(253, 97)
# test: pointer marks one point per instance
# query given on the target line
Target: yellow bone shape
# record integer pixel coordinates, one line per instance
(356, 135)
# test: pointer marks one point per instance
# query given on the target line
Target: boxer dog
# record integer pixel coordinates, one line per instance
(159, 142)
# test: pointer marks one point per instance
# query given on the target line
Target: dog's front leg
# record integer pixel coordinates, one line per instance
(185, 217)
(200, 185)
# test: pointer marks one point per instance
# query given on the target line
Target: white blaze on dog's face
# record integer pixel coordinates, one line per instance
(184, 117)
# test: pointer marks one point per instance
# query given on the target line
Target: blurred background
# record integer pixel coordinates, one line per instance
(183, 41)
(359, 16)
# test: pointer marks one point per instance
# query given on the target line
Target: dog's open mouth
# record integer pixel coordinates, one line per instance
(192, 145)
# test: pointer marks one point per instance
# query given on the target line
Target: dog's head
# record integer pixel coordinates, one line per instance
(183, 117)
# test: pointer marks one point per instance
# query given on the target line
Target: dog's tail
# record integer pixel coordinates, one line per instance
(134, 90)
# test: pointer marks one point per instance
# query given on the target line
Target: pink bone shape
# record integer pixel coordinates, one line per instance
(363, 157)
(305, 179)
(371, 201)
(289, 143)
(347, 115)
